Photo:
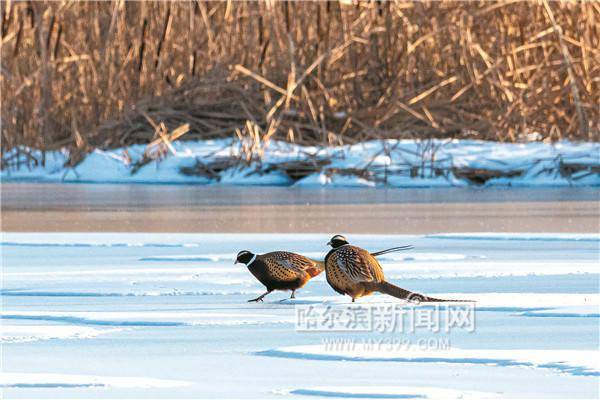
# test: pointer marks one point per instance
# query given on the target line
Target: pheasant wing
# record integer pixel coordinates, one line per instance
(289, 266)
(357, 264)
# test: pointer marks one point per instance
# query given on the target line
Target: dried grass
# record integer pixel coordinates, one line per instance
(106, 74)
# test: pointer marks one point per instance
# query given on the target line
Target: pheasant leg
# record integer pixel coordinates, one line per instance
(260, 298)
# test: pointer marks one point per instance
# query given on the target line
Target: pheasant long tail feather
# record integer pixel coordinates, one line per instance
(392, 250)
(398, 292)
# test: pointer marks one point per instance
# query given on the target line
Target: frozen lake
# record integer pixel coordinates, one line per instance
(140, 315)
(141, 298)
(38, 207)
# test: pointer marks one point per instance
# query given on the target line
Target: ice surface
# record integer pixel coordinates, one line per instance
(589, 237)
(26, 380)
(574, 362)
(148, 318)
(585, 311)
(389, 392)
(32, 333)
(81, 313)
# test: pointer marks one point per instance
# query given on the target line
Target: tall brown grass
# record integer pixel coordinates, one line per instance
(85, 74)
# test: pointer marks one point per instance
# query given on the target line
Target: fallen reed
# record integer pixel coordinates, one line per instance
(105, 74)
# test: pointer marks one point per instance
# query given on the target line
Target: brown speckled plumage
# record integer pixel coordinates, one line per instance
(347, 267)
(282, 270)
(356, 272)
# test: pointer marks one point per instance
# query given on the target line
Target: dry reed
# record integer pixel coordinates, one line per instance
(106, 74)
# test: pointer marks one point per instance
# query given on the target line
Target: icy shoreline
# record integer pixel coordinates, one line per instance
(392, 163)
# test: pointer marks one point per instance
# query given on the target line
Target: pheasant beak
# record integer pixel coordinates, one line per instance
(235, 262)
(329, 243)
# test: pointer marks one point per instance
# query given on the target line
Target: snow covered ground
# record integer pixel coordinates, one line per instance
(165, 316)
(405, 163)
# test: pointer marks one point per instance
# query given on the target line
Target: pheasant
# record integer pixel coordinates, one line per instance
(356, 272)
(280, 270)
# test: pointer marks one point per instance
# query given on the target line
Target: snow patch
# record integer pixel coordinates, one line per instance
(571, 303)
(193, 258)
(314, 255)
(573, 362)
(41, 380)
(486, 269)
(142, 293)
(33, 333)
(583, 311)
(388, 392)
(578, 237)
(149, 318)
(396, 163)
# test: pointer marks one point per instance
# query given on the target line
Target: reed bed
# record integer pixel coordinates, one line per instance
(83, 75)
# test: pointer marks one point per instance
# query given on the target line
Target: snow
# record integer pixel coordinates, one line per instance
(148, 318)
(151, 315)
(334, 180)
(254, 176)
(386, 257)
(488, 268)
(584, 311)
(389, 392)
(574, 362)
(26, 380)
(395, 163)
(32, 333)
(588, 237)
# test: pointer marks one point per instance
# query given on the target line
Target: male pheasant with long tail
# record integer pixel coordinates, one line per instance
(356, 272)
